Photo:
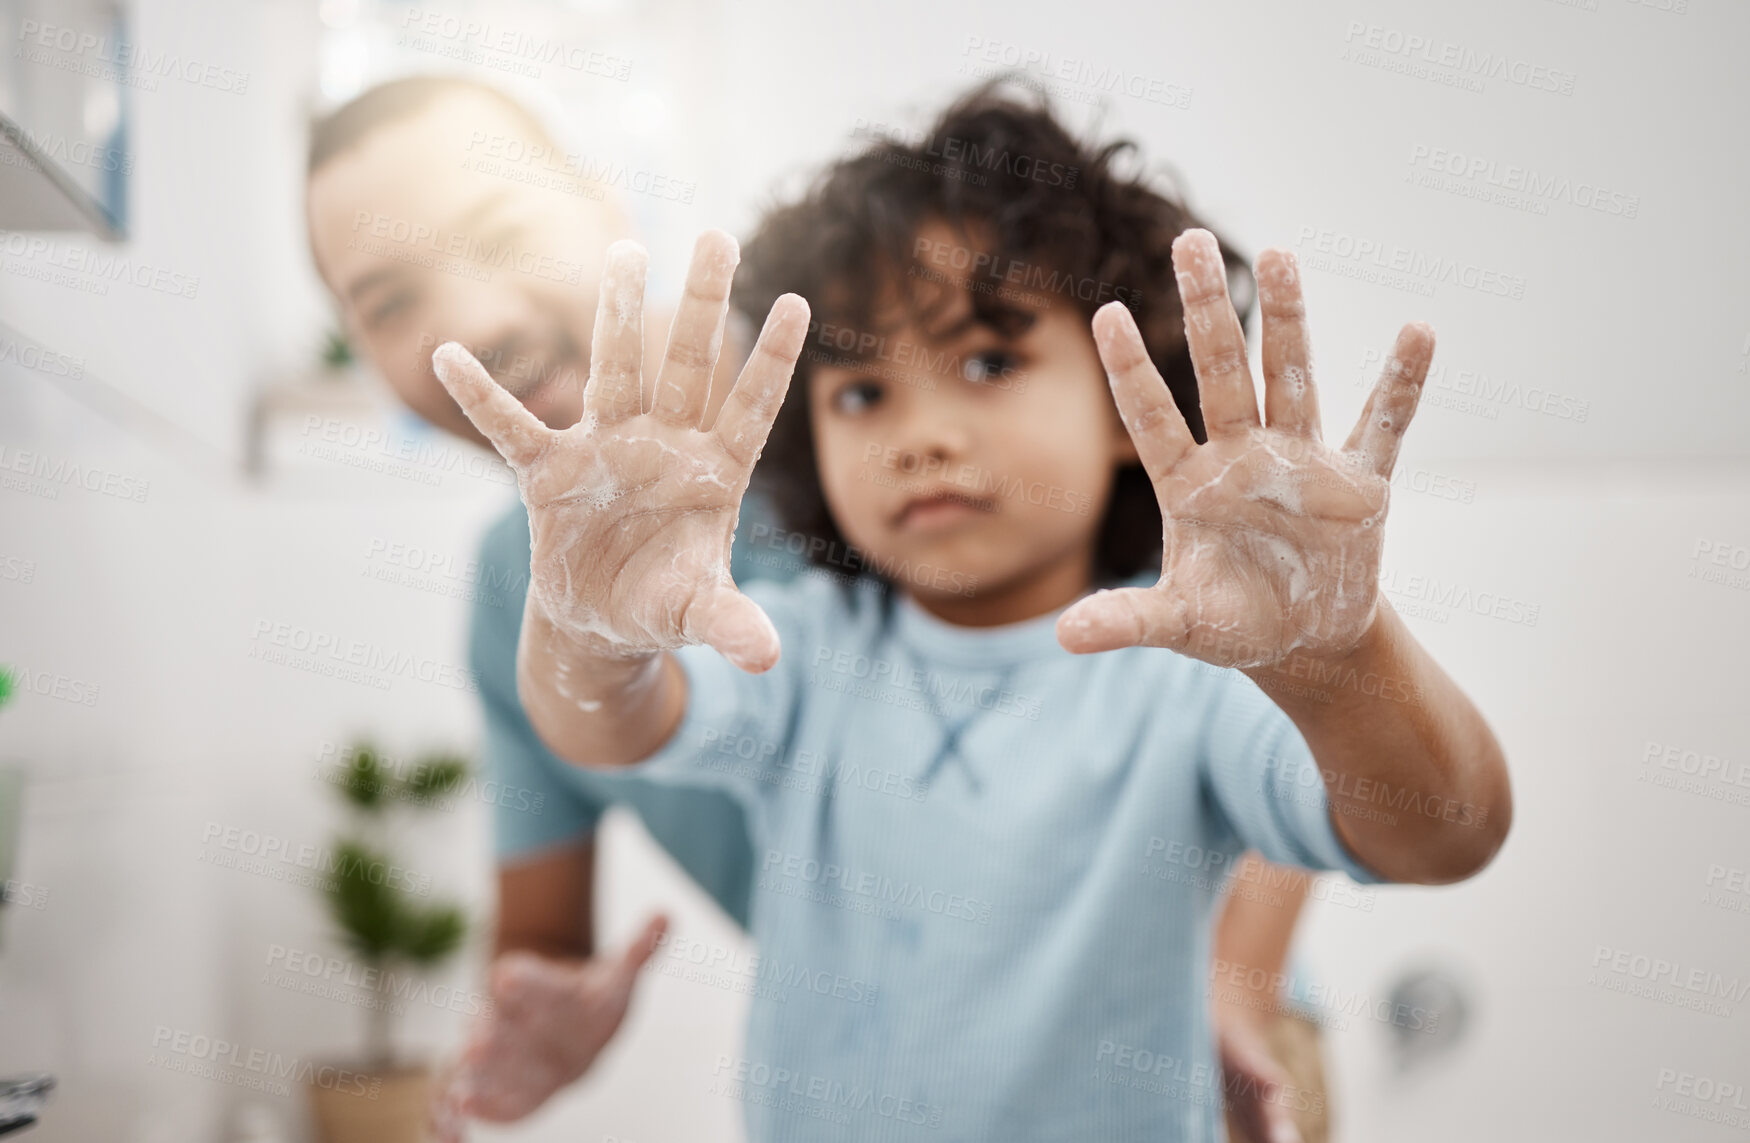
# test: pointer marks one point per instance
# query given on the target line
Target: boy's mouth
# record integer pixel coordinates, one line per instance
(940, 508)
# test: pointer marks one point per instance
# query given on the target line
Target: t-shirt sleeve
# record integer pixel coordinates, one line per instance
(1263, 778)
(737, 729)
(534, 806)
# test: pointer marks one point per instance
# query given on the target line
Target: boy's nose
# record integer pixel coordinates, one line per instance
(933, 436)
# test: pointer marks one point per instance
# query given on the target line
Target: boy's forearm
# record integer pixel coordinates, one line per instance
(1417, 783)
(592, 706)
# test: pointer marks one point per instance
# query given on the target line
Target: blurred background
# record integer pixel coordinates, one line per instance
(1570, 535)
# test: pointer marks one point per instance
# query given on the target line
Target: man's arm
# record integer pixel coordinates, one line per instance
(1398, 732)
(1252, 937)
(545, 903)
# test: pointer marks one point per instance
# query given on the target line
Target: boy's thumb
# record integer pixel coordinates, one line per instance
(737, 627)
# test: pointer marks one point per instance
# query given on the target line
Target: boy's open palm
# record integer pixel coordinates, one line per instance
(1272, 538)
(631, 513)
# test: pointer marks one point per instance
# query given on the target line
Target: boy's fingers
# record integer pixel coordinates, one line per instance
(1291, 401)
(1212, 330)
(615, 389)
(696, 337)
(746, 418)
(1380, 431)
(515, 432)
(1144, 402)
(1124, 617)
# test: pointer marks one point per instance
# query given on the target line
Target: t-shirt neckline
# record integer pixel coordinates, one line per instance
(994, 646)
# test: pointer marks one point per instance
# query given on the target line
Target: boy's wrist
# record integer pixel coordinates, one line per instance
(591, 667)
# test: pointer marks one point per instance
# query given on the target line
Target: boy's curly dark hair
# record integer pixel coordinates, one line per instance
(1001, 171)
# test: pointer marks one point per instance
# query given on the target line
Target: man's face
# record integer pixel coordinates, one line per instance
(960, 449)
(424, 239)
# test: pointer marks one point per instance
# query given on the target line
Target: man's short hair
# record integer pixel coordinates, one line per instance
(398, 100)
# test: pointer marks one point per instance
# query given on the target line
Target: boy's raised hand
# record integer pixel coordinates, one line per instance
(631, 513)
(1272, 538)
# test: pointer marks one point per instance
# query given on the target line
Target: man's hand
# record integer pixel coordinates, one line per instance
(1272, 539)
(549, 1021)
(1255, 1087)
(631, 513)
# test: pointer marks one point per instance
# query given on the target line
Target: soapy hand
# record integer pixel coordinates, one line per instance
(549, 1021)
(631, 513)
(1272, 539)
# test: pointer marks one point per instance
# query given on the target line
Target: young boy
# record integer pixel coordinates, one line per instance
(1037, 927)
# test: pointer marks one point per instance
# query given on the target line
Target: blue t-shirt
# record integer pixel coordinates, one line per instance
(986, 869)
(540, 800)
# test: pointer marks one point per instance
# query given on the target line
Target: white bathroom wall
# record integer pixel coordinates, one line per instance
(169, 736)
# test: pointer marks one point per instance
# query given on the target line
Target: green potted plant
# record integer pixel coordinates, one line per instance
(389, 929)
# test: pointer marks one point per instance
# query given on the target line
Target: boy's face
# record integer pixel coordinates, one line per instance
(957, 449)
(424, 239)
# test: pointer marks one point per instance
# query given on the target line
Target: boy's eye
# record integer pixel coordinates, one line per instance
(991, 366)
(856, 396)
